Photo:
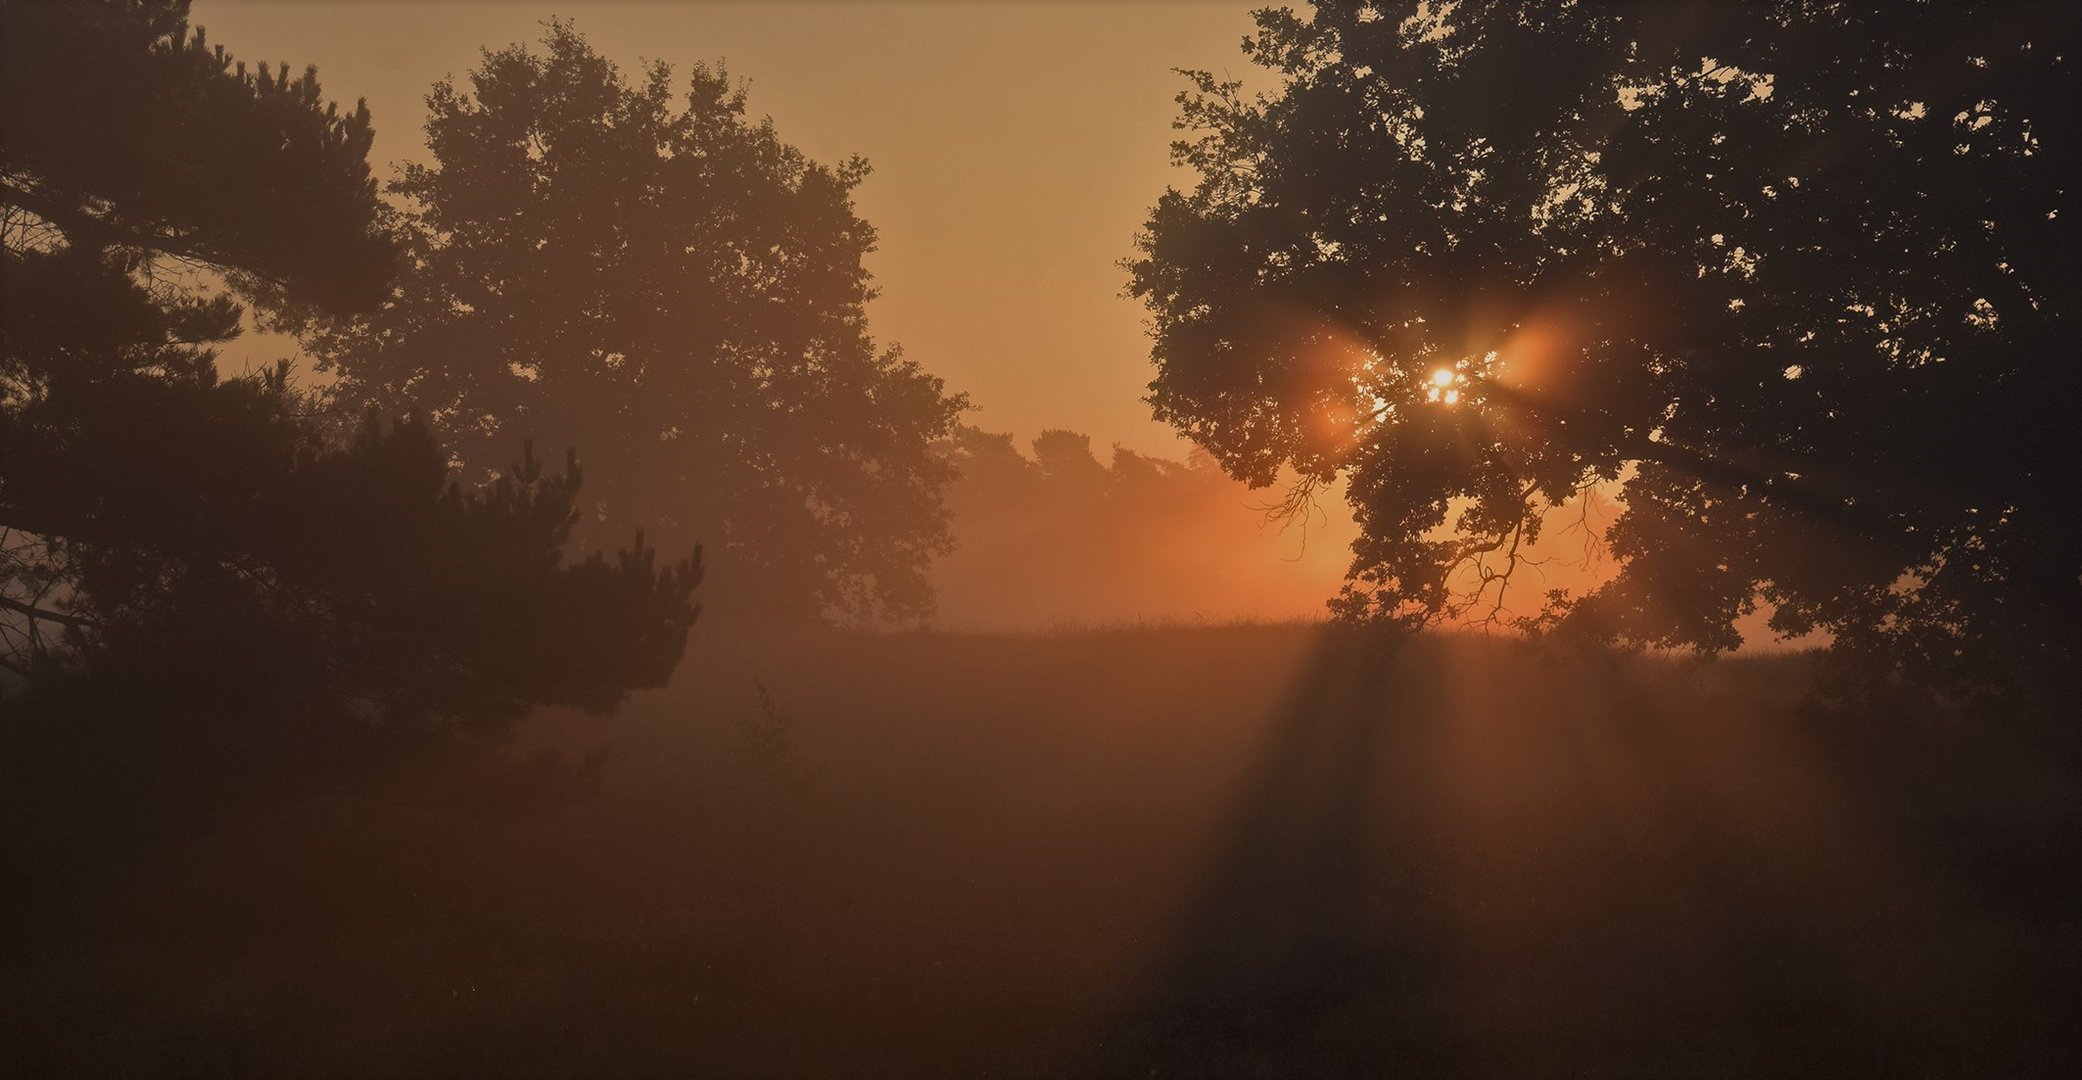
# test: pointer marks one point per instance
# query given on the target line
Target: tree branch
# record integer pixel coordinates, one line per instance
(104, 231)
(35, 612)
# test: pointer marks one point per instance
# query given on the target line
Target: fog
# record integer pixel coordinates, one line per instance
(1511, 539)
(1053, 533)
(1048, 535)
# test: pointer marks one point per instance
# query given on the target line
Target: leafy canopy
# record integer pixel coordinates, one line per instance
(671, 286)
(1794, 279)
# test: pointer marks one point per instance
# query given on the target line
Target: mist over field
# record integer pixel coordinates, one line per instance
(1101, 852)
(887, 539)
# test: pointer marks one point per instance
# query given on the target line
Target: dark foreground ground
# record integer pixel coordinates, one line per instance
(1164, 853)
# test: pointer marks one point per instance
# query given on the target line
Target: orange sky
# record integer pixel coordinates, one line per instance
(1016, 147)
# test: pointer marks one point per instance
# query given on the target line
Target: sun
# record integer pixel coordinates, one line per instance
(1443, 387)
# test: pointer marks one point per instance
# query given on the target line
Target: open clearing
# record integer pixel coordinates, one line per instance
(1139, 852)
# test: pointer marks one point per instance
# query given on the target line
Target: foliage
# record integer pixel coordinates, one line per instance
(680, 292)
(127, 131)
(185, 547)
(1793, 278)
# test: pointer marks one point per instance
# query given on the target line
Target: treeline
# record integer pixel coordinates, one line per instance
(1053, 537)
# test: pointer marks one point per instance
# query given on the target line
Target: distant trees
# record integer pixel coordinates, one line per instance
(680, 292)
(176, 545)
(1059, 536)
(1796, 279)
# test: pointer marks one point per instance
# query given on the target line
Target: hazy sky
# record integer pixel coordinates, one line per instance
(1016, 147)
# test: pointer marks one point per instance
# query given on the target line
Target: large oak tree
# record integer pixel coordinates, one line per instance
(1794, 278)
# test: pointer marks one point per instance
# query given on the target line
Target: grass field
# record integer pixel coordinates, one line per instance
(1138, 853)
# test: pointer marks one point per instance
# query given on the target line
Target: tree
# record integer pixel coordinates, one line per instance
(680, 292)
(1793, 278)
(127, 133)
(179, 546)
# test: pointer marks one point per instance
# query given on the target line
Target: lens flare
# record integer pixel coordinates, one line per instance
(1443, 387)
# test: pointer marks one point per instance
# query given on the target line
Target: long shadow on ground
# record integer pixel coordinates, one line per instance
(1455, 867)
(1292, 962)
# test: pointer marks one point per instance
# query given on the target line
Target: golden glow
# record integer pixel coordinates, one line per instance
(1443, 388)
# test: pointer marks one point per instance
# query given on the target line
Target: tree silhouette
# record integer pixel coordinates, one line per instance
(181, 546)
(680, 292)
(1793, 278)
(128, 133)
